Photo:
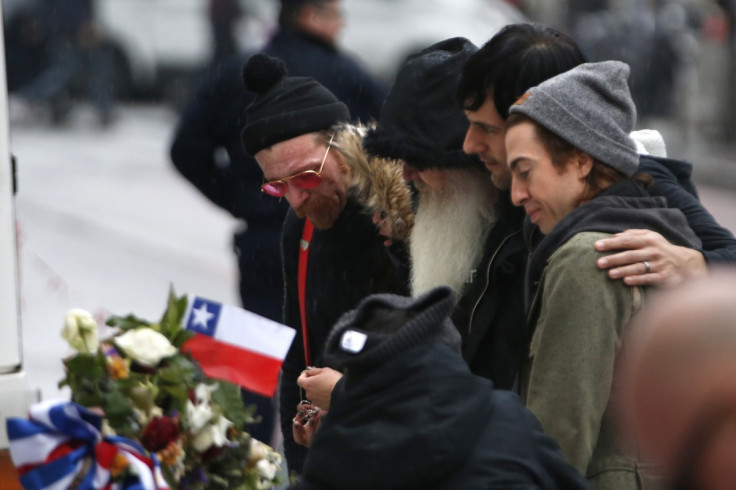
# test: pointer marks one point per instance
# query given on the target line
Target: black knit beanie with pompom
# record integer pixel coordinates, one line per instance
(285, 107)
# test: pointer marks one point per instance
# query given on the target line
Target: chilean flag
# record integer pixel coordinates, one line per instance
(236, 345)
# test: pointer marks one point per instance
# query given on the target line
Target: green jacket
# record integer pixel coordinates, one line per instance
(577, 320)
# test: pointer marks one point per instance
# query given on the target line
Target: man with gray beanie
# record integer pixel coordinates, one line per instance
(572, 166)
(332, 254)
(409, 413)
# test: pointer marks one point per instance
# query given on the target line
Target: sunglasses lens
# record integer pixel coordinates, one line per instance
(275, 189)
(307, 180)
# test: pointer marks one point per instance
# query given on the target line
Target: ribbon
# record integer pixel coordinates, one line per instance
(50, 448)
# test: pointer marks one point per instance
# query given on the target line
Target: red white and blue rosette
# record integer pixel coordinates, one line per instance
(61, 439)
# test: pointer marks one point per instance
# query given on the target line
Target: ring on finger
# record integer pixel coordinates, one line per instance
(647, 267)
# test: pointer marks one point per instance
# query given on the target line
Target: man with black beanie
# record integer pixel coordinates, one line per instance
(207, 150)
(333, 256)
(409, 414)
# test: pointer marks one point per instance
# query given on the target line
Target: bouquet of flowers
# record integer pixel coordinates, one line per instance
(147, 400)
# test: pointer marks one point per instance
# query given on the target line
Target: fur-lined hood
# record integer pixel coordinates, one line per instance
(376, 182)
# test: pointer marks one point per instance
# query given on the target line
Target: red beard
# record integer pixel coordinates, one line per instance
(320, 210)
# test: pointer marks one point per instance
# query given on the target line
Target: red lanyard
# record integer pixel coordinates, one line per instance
(302, 284)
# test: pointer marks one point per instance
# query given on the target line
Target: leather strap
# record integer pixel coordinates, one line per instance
(302, 284)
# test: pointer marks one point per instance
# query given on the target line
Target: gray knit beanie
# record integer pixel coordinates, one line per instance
(590, 107)
(383, 326)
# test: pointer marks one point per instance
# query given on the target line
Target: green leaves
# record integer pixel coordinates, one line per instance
(171, 323)
(227, 396)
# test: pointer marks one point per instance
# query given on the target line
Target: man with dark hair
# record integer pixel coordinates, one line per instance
(520, 57)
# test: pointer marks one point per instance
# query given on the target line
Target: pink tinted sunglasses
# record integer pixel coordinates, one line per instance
(308, 179)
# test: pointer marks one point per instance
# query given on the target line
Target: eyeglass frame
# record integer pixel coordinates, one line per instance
(318, 173)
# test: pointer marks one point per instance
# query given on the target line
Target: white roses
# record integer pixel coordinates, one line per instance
(145, 346)
(80, 330)
(200, 418)
(265, 460)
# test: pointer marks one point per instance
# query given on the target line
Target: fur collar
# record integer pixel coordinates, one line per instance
(376, 183)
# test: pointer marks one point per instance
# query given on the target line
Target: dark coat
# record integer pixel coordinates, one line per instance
(490, 314)
(673, 181)
(346, 263)
(307, 55)
(424, 421)
(210, 123)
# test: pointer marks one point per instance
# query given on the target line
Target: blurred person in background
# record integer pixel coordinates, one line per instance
(74, 52)
(677, 387)
(207, 149)
(307, 41)
(224, 16)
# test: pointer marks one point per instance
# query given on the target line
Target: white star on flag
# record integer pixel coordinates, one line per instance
(202, 316)
(239, 346)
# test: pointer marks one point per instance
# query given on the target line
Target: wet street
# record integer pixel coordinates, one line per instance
(107, 224)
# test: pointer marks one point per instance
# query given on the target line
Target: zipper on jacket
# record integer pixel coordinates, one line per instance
(534, 300)
(488, 280)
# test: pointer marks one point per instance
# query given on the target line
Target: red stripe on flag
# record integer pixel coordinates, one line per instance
(253, 371)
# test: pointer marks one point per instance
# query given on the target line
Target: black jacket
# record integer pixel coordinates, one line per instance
(490, 314)
(206, 150)
(409, 414)
(346, 263)
(672, 180)
(307, 55)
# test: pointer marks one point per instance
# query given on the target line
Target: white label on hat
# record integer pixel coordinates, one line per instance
(353, 341)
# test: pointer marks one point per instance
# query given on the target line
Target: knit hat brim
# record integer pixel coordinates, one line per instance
(270, 130)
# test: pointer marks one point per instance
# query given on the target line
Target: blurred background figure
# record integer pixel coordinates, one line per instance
(307, 42)
(224, 15)
(67, 56)
(678, 394)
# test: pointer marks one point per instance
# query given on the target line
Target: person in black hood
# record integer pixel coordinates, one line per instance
(571, 161)
(409, 414)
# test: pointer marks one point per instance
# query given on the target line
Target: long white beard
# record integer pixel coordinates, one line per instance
(450, 228)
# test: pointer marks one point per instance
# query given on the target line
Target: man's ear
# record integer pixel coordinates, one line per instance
(582, 163)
